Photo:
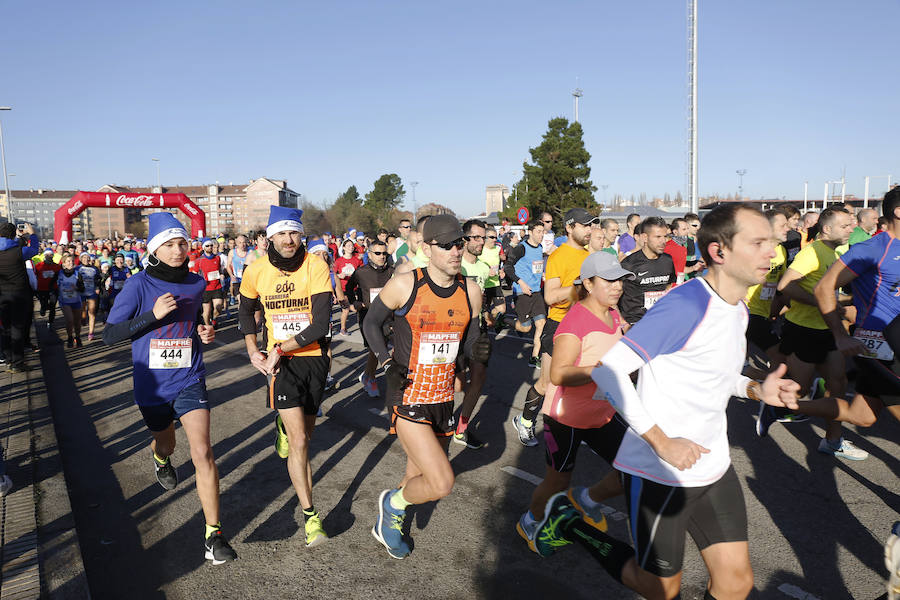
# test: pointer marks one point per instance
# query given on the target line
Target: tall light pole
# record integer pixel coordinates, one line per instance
(693, 177)
(805, 194)
(741, 173)
(413, 185)
(603, 187)
(577, 93)
(9, 207)
(158, 186)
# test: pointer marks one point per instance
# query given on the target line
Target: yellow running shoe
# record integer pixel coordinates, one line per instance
(595, 518)
(281, 439)
(315, 534)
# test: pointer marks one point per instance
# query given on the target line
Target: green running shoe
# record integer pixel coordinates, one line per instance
(315, 533)
(281, 439)
(548, 537)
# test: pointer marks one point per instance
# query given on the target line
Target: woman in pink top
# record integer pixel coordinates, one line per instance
(570, 413)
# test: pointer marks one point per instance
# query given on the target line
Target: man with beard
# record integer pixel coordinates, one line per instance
(653, 269)
(294, 289)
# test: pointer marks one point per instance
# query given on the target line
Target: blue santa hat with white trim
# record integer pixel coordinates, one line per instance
(282, 218)
(163, 226)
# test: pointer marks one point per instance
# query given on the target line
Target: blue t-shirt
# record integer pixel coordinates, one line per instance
(530, 268)
(876, 263)
(165, 346)
(118, 277)
(89, 277)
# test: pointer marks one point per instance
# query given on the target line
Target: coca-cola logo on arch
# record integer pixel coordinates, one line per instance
(75, 208)
(137, 201)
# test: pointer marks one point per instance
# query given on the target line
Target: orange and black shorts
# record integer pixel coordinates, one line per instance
(438, 415)
(300, 382)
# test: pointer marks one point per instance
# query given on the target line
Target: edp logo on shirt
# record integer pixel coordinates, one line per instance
(284, 288)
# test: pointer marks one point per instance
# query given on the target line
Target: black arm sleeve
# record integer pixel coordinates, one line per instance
(372, 329)
(511, 259)
(321, 320)
(113, 333)
(247, 314)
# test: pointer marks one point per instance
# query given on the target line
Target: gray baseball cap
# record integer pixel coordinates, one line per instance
(604, 265)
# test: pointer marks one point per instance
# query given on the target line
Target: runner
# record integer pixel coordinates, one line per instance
(45, 271)
(416, 257)
(433, 311)
(494, 300)
(627, 240)
(674, 458)
(867, 220)
(404, 229)
(157, 310)
(70, 286)
(344, 267)
(694, 266)
(653, 269)
(525, 268)
(235, 263)
(610, 231)
(118, 274)
(90, 276)
(209, 266)
(806, 340)
(365, 284)
(571, 415)
(294, 289)
(563, 268)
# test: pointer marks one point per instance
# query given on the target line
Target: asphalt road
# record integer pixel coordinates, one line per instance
(817, 524)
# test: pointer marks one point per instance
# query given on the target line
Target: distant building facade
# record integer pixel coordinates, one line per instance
(496, 197)
(38, 206)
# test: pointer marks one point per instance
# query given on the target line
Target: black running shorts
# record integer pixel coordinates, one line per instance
(300, 382)
(809, 345)
(562, 442)
(210, 295)
(879, 379)
(660, 515)
(530, 308)
(439, 416)
(760, 332)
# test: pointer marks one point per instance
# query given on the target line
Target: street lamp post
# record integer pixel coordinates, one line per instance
(603, 187)
(9, 209)
(741, 173)
(158, 186)
(413, 184)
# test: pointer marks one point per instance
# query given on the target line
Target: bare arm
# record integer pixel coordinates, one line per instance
(790, 287)
(563, 371)
(555, 293)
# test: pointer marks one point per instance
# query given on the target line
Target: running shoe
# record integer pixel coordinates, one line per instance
(534, 362)
(817, 389)
(282, 448)
(593, 517)
(843, 449)
(526, 434)
(787, 417)
(369, 384)
(315, 533)
(166, 474)
(527, 531)
(18, 367)
(548, 537)
(329, 382)
(90, 337)
(5, 485)
(764, 419)
(388, 529)
(343, 333)
(892, 562)
(468, 440)
(70, 343)
(218, 550)
(78, 342)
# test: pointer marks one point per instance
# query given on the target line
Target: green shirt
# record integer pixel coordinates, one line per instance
(491, 257)
(419, 260)
(477, 270)
(859, 235)
(610, 250)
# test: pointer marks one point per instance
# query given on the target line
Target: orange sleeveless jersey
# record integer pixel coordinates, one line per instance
(428, 334)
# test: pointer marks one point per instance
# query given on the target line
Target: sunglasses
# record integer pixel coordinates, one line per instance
(377, 253)
(405, 226)
(458, 244)
(492, 237)
(550, 221)
(474, 237)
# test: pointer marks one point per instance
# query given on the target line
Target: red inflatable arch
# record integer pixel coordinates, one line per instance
(62, 218)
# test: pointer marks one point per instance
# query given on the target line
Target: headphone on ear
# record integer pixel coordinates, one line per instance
(720, 254)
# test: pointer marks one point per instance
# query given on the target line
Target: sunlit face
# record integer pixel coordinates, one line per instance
(286, 243)
(378, 254)
(654, 237)
(605, 292)
(475, 241)
(120, 261)
(242, 243)
(868, 219)
(748, 260)
(693, 227)
(446, 261)
(780, 228)
(67, 262)
(173, 253)
(580, 234)
(490, 239)
(598, 239)
(347, 249)
(839, 230)
(682, 229)
(611, 232)
(536, 235)
(794, 221)
(262, 242)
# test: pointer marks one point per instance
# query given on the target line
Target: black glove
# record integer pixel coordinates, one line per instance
(481, 349)
(396, 376)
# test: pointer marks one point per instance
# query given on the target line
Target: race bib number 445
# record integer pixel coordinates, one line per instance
(438, 348)
(284, 327)
(876, 346)
(170, 354)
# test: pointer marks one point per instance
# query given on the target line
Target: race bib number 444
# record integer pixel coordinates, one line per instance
(876, 345)
(170, 354)
(284, 327)
(438, 348)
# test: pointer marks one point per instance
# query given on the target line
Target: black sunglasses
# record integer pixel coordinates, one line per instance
(377, 253)
(492, 237)
(474, 237)
(458, 244)
(550, 221)
(404, 226)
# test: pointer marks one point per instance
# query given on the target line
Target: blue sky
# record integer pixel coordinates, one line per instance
(450, 94)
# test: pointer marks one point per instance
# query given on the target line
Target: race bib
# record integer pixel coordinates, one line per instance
(767, 292)
(68, 292)
(679, 279)
(47, 274)
(284, 327)
(170, 354)
(438, 348)
(213, 276)
(651, 298)
(876, 346)
(373, 293)
(537, 267)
